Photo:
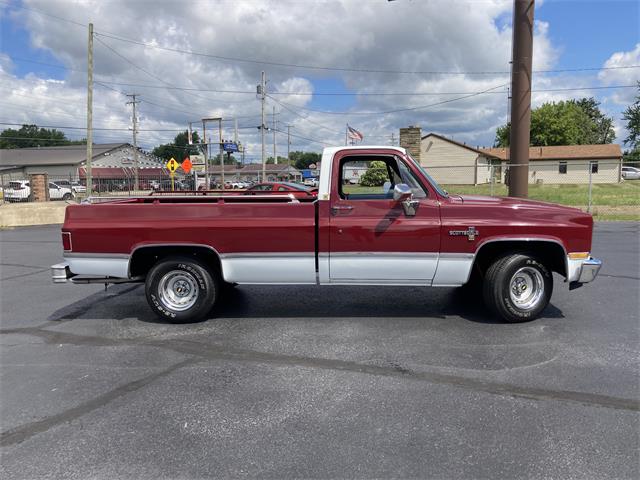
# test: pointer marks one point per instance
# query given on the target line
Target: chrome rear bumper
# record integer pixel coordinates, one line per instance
(60, 272)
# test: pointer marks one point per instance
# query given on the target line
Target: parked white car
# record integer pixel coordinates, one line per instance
(631, 173)
(75, 187)
(19, 191)
(311, 182)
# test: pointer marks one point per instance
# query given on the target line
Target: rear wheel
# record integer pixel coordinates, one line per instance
(67, 196)
(181, 289)
(517, 287)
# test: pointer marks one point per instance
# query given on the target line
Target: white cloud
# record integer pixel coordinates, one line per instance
(623, 76)
(397, 36)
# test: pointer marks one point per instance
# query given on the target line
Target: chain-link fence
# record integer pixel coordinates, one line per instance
(607, 189)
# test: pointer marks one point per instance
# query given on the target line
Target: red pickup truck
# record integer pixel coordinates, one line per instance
(395, 226)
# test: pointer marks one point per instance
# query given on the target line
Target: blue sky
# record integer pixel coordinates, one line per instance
(579, 34)
(589, 31)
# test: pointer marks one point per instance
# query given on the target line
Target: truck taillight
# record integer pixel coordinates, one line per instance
(66, 241)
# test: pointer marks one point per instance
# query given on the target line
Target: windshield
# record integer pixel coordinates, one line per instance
(435, 185)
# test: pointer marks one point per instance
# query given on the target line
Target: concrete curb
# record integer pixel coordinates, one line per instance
(25, 214)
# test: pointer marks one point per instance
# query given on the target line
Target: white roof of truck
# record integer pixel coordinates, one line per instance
(327, 163)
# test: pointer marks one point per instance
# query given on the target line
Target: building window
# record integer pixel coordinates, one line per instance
(594, 167)
(562, 167)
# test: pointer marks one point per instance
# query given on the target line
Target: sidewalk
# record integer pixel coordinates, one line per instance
(24, 214)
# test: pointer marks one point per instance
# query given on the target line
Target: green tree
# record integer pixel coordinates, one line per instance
(571, 122)
(281, 160)
(631, 116)
(375, 175)
(32, 136)
(302, 160)
(180, 147)
(600, 128)
(228, 160)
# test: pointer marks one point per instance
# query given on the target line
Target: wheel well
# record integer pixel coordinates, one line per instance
(146, 257)
(550, 253)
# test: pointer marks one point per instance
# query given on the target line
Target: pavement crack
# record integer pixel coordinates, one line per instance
(24, 275)
(215, 352)
(24, 432)
(486, 386)
(21, 265)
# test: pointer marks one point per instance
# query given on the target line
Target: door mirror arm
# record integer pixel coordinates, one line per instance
(402, 193)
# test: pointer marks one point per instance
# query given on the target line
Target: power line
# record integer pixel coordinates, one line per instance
(177, 129)
(144, 70)
(41, 12)
(483, 92)
(568, 70)
(345, 69)
(302, 66)
(397, 110)
(303, 137)
(350, 94)
(306, 118)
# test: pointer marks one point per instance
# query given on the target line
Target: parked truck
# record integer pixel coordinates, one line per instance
(401, 228)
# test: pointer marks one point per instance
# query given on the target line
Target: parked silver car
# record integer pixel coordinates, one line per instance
(631, 173)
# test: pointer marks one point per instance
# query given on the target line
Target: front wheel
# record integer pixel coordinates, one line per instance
(181, 289)
(517, 287)
(67, 196)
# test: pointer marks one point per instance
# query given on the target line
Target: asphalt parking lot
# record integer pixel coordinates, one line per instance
(317, 382)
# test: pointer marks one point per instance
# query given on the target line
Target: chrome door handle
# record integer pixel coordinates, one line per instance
(336, 209)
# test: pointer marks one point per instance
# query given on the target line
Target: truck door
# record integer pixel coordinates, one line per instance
(371, 238)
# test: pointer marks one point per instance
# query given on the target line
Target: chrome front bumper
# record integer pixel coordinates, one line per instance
(582, 271)
(589, 270)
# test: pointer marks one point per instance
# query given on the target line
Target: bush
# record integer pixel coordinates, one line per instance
(376, 175)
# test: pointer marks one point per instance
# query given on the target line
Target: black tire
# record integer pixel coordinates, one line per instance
(517, 287)
(181, 289)
(67, 196)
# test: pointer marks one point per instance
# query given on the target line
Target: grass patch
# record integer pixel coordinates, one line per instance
(577, 195)
(617, 201)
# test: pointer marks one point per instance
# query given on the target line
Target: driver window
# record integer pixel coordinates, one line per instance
(367, 178)
(374, 178)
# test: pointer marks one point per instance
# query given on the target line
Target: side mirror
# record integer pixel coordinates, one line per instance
(402, 192)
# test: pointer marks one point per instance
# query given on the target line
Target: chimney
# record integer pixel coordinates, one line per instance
(410, 138)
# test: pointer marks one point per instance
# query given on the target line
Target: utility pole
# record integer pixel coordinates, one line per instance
(235, 131)
(221, 152)
(275, 158)
(263, 82)
(136, 166)
(289, 144)
(522, 57)
(393, 139)
(206, 156)
(204, 139)
(89, 111)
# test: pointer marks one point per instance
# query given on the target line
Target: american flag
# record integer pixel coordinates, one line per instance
(354, 134)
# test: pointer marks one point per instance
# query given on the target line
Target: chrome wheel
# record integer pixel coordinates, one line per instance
(178, 290)
(526, 288)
